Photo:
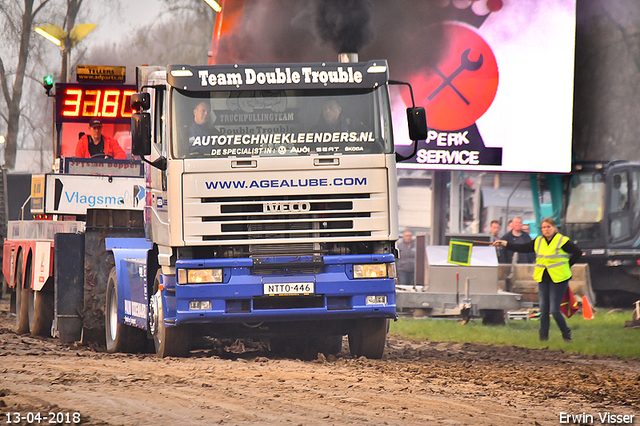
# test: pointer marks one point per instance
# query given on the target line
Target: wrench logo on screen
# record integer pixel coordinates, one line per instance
(465, 65)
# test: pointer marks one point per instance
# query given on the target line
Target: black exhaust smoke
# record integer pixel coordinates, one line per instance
(344, 24)
(318, 30)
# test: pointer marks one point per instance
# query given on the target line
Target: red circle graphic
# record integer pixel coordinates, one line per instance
(461, 88)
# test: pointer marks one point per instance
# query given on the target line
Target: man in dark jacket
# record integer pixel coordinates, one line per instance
(517, 236)
(406, 262)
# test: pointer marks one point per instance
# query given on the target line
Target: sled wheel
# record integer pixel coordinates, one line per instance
(369, 337)
(40, 312)
(120, 337)
(5, 287)
(22, 296)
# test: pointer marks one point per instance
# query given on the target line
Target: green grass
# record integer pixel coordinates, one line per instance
(604, 335)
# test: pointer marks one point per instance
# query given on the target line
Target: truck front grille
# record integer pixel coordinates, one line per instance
(315, 218)
(319, 207)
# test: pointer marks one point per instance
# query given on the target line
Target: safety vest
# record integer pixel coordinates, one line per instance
(552, 258)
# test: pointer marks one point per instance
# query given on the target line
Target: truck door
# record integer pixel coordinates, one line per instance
(157, 178)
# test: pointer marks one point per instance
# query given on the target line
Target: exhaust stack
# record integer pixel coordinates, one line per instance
(345, 58)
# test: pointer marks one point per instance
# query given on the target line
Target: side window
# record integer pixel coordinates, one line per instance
(635, 196)
(159, 122)
(159, 128)
(619, 192)
(620, 218)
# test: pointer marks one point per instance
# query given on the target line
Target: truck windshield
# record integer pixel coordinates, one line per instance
(585, 206)
(585, 198)
(280, 123)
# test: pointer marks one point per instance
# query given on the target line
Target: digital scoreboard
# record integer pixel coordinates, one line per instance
(80, 102)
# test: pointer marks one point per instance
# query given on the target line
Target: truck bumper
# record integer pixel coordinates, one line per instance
(242, 297)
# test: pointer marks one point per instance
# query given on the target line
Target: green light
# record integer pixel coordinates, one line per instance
(47, 83)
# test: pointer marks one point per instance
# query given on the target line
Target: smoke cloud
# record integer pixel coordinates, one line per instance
(344, 24)
(318, 30)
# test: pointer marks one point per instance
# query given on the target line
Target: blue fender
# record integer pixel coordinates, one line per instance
(130, 255)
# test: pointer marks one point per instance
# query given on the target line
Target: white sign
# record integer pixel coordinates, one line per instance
(72, 194)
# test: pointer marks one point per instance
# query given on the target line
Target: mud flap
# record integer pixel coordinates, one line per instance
(98, 263)
(68, 286)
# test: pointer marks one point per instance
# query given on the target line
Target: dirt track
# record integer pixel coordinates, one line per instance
(417, 383)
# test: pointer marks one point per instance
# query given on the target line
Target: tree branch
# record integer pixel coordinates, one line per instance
(3, 82)
(39, 8)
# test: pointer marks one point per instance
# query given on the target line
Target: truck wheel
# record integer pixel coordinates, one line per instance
(369, 337)
(120, 337)
(22, 297)
(40, 312)
(168, 341)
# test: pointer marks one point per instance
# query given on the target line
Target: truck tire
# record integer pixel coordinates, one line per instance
(120, 337)
(369, 337)
(168, 341)
(40, 313)
(22, 297)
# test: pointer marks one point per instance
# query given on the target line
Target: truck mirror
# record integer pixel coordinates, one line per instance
(140, 101)
(140, 132)
(417, 119)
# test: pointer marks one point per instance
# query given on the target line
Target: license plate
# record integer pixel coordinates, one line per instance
(288, 289)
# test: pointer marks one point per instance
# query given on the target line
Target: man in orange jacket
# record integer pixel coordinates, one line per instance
(96, 145)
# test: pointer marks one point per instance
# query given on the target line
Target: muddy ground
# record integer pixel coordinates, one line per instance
(416, 383)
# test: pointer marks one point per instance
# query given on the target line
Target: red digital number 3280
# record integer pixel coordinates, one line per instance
(81, 102)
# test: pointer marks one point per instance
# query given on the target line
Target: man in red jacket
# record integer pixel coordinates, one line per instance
(98, 145)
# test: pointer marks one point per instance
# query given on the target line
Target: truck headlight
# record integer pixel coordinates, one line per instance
(376, 270)
(197, 276)
(391, 270)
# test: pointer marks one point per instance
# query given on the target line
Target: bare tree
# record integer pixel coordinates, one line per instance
(73, 7)
(180, 34)
(19, 23)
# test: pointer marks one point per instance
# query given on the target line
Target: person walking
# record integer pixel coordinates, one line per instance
(555, 253)
(406, 262)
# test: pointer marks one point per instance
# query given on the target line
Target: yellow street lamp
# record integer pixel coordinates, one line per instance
(214, 5)
(48, 36)
(66, 41)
